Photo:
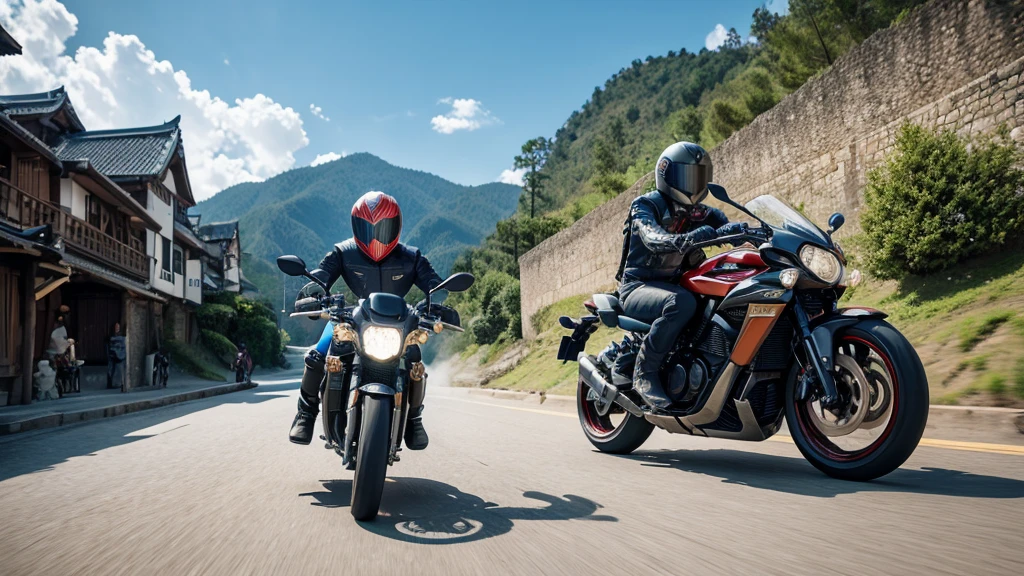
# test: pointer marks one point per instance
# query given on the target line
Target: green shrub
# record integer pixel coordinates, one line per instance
(213, 316)
(940, 199)
(996, 384)
(219, 345)
(192, 361)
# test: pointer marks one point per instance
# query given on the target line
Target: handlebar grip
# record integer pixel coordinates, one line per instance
(306, 301)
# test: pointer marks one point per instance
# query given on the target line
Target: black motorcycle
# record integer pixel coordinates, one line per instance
(364, 404)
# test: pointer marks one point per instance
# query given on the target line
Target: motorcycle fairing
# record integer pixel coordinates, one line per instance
(718, 275)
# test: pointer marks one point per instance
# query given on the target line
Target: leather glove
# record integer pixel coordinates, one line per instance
(684, 241)
(732, 228)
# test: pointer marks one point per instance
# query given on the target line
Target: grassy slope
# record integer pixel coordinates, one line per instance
(966, 324)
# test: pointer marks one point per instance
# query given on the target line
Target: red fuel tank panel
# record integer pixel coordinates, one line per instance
(719, 274)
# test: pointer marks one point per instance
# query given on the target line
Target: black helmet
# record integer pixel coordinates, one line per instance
(683, 172)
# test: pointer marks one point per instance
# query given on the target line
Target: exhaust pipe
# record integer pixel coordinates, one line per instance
(608, 393)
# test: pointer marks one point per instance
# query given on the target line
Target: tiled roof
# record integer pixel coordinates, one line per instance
(218, 231)
(40, 104)
(27, 137)
(8, 45)
(129, 152)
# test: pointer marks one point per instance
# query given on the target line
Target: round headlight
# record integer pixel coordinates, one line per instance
(382, 343)
(821, 263)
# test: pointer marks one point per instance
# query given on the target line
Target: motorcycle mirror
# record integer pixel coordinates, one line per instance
(835, 222)
(456, 283)
(291, 265)
(719, 193)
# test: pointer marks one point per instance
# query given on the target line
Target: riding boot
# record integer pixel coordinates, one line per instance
(415, 434)
(309, 405)
(646, 380)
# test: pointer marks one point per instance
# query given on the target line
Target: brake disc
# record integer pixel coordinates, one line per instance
(881, 396)
(850, 416)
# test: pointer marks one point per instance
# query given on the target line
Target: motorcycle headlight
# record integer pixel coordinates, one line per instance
(821, 263)
(382, 343)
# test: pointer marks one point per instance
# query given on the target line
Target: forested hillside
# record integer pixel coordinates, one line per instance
(307, 210)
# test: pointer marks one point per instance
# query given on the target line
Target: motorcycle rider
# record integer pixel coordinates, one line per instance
(661, 229)
(373, 260)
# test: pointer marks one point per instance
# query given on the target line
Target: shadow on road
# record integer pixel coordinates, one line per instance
(38, 451)
(796, 476)
(430, 512)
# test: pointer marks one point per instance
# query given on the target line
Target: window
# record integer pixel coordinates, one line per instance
(177, 261)
(165, 262)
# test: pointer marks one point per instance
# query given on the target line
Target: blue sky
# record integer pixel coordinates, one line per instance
(380, 70)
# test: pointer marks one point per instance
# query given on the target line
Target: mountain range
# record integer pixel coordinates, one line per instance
(307, 210)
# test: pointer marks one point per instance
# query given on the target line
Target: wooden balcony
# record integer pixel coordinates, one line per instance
(22, 209)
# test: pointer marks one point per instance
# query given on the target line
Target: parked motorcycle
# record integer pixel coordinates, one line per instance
(69, 371)
(242, 364)
(365, 408)
(769, 342)
(161, 368)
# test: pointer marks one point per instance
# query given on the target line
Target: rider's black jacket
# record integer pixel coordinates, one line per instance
(657, 238)
(395, 274)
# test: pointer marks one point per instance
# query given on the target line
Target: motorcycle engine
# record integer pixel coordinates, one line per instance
(687, 378)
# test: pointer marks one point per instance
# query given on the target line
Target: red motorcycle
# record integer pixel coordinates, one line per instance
(770, 343)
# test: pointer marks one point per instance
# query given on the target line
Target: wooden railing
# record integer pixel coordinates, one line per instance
(24, 210)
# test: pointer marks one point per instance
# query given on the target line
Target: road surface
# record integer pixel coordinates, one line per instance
(214, 487)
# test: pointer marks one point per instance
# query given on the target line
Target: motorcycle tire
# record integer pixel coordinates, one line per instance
(371, 457)
(898, 439)
(630, 433)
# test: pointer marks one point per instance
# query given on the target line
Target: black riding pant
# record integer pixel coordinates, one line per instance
(667, 307)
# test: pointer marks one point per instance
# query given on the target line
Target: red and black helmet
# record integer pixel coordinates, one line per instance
(376, 224)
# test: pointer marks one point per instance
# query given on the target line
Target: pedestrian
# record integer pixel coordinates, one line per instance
(115, 358)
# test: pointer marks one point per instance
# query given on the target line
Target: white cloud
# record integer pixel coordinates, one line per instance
(328, 157)
(716, 37)
(227, 62)
(512, 176)
(123, 84)
(466, 114)
(318, 112)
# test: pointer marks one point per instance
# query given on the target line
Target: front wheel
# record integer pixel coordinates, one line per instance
(614, 430)
(371, 457)
(884, 406)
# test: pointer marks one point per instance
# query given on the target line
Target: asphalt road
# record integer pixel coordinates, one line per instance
(214, 487)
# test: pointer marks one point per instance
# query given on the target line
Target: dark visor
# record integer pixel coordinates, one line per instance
(690, 178)
(386, 231)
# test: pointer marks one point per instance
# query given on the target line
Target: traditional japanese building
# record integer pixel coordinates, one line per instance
(117, 202)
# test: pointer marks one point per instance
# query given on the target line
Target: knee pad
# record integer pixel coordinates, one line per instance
(315, 360)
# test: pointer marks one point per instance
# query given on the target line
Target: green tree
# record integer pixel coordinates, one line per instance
(534, 155)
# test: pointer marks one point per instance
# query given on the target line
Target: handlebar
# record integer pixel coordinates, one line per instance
(758, 234)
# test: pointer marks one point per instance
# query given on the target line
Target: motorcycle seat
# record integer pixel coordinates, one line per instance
(610, 312)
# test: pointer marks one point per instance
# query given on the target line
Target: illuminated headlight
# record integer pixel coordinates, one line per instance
(381, 343)
(789, 277)
(821, 263)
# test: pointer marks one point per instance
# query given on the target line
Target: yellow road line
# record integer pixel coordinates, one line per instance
(1009, 449)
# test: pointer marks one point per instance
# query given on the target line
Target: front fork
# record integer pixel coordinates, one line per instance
(817, 346)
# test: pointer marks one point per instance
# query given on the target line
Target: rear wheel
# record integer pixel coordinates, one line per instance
(883, 412)
(611, 430)
(371, 457)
